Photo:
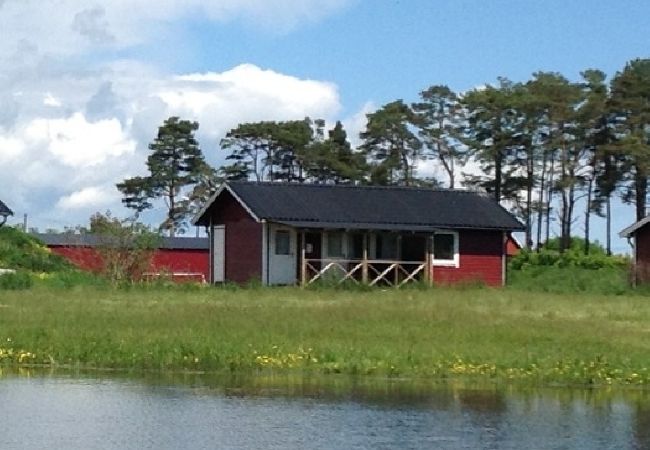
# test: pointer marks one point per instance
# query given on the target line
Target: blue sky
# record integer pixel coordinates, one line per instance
(86, 83)
(382, 50)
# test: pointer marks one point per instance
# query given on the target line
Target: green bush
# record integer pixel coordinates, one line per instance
(572, 271)
(19, 250)
(15, 281)
(574, 256)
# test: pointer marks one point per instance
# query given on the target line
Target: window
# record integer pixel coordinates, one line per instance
(386, 245)
(282, 242)
(355, 246)
(335, 245)
(445, 249)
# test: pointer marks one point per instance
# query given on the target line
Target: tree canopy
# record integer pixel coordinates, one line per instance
(175, 164)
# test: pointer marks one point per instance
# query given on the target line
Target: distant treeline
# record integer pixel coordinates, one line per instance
(539, 146)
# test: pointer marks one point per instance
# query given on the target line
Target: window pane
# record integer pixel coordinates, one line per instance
(334, 244)
(356, 245)
(282, 242)
(387, 246)
(443, 246)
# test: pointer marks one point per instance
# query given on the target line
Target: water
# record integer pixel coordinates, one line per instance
(82, 412)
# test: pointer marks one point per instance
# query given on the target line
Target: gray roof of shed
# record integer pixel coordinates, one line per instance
(629, 231)
(93, 240)
(4, 210)
(366, 207)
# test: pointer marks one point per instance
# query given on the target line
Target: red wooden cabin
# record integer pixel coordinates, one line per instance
(289, 233)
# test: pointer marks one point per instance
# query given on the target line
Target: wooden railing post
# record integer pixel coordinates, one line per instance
(364, 268)
(429, 267)
(303, 260)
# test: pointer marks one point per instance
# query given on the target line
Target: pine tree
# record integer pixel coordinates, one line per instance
(175, 164)
(391, 144)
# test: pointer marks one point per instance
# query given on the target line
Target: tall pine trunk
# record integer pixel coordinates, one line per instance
(588, 214)
(540, 209)
(641, 191)
(549, 197)
(608, 224)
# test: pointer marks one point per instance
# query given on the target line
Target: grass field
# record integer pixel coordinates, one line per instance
(490, 334)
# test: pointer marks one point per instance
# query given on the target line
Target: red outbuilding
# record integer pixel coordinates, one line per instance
(638, 235)
(181, 259)
(290, 233)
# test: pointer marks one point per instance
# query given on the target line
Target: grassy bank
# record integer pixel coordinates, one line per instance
(535, 338)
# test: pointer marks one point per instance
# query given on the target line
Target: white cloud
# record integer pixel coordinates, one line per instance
(76, 26)
(51, 100)
(10, 149)
(62, 163)
(78, 143)
(356, 123)
(250, 93)
(93, 198)
(75, 120)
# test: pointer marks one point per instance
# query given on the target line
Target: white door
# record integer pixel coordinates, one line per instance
(219, 254)
(282, 255)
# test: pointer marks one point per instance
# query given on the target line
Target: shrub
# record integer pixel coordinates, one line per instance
(19, 250)
(126, 247)
(15, 281)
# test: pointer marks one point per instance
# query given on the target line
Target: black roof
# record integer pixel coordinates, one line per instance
(4, 210)
(93, 240)
(367, 207)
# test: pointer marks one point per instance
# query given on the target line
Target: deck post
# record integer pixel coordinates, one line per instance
(399, 259)
(364, 267)
(429, 265)
(303, 261)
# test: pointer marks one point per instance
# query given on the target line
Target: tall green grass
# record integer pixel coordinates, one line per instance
(500, 335)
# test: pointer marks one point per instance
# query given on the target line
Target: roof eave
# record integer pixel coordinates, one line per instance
(198, 218)
(629, 231)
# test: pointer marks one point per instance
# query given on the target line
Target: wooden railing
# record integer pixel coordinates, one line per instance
(371, 271)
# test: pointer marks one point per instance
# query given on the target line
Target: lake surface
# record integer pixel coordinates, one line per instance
(89, 412)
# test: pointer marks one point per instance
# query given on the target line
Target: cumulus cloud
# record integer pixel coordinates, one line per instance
(77, 143)
(63, 162)
(92, 197)
(76, 119)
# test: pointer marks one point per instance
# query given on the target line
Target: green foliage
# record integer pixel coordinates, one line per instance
(571, 279)
(15, 281)
(572, 271)
(175, 163)
(291, 151)
(20, 251)
(574, 256)
(441, 116)
(630, 106)
(392, 145)
(125, 247)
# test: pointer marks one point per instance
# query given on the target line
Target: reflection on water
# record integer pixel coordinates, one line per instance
(79, 411)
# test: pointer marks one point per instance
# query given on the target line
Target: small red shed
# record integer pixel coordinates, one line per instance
(638, 235)
(183, 259)
(289, 233)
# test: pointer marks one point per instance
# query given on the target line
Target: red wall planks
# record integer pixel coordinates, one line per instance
(480, 259)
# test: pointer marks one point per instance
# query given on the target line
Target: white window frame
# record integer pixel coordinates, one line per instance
(455, 262)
